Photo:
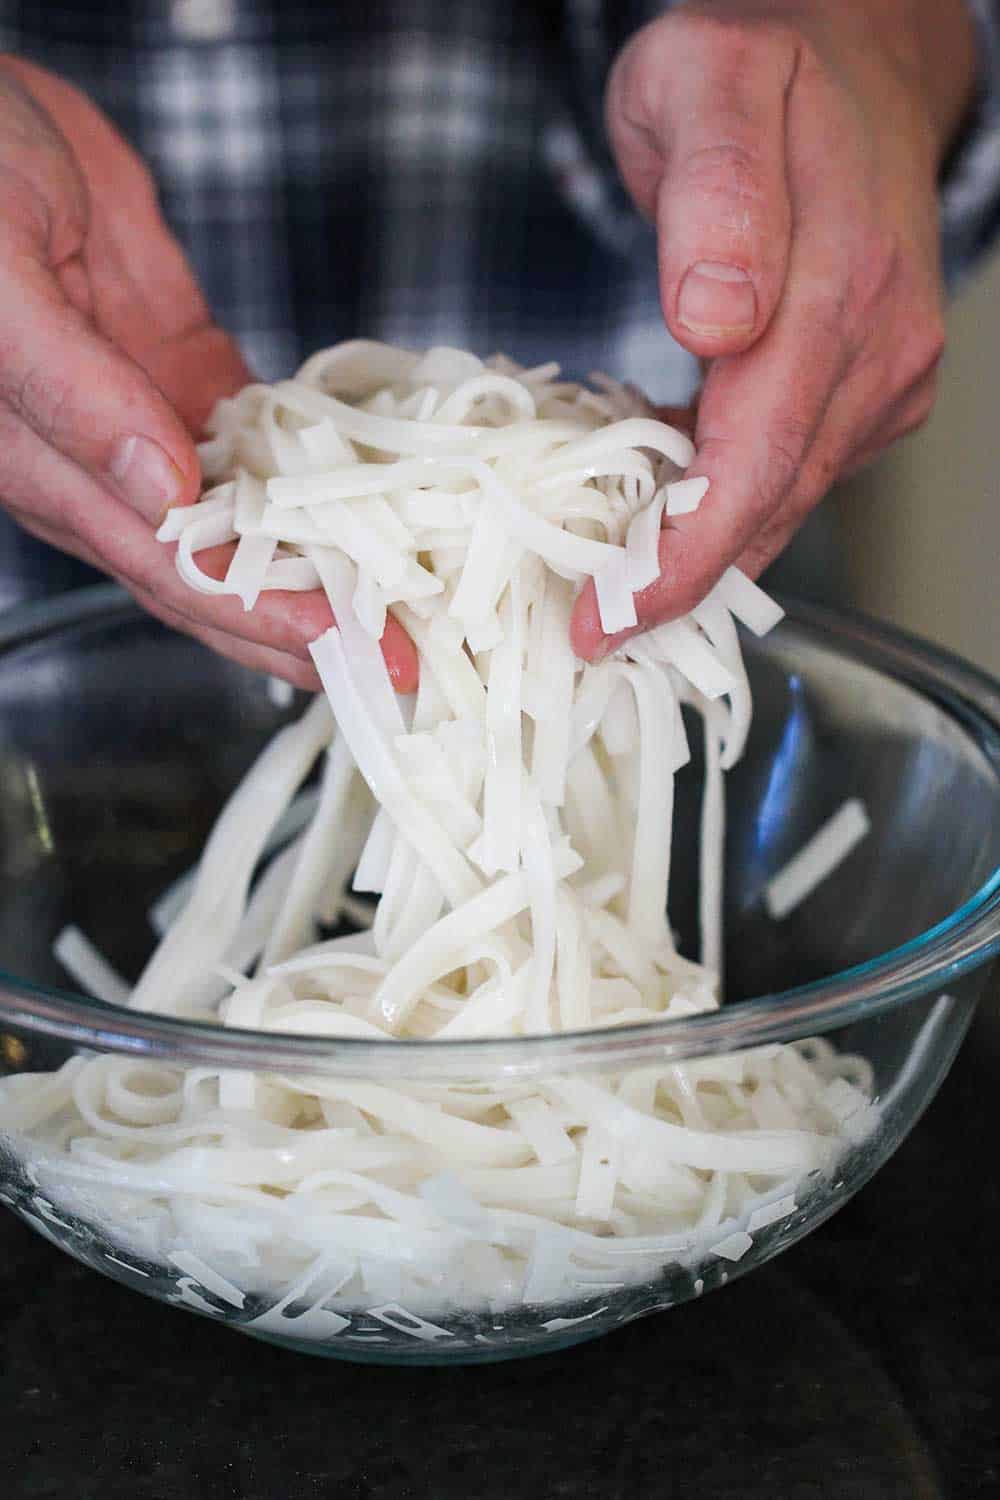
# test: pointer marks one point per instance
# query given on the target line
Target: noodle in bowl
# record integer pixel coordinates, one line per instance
(514, 822)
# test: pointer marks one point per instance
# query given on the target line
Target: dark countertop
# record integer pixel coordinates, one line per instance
(865, 1362)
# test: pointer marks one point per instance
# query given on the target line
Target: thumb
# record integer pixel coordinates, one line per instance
(696, 114)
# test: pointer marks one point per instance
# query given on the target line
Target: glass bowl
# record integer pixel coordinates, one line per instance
(120, 741)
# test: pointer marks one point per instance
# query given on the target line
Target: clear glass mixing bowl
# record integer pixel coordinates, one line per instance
(119, 742)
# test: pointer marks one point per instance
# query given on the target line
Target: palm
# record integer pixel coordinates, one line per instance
(128, 273)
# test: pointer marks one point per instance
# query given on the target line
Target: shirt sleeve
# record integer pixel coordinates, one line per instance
(970, 186)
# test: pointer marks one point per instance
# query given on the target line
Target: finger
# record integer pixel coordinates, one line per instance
(312, 612)
(855, 433)
(707, 98)
(84, 252)
(757, 418)
(38, 482)
(258, 658)
(906, 417)
(78, 393)
(684, 418)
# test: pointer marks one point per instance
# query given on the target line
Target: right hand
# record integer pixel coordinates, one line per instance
(109, 362)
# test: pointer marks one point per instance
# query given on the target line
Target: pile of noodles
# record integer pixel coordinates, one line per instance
(513, 819)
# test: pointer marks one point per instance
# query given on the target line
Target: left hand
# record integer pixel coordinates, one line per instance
(792, 150)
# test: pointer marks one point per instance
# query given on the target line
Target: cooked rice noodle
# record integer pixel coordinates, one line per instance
(516, 822)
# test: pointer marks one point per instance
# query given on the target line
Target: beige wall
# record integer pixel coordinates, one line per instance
(922, 527)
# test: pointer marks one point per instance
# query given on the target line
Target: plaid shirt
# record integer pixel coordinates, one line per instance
(423, 171)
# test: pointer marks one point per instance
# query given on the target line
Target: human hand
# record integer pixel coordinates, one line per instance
(791, 149)
(109, 361)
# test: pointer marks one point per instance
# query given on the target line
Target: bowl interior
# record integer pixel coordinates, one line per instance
(120, 740)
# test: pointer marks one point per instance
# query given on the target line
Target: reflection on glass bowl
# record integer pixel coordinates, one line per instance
(120, 742)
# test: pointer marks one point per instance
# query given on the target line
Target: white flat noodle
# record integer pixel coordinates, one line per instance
(711, 851)
(599, 1168)
(347, 483)
(324, 445)
(296, 575)
(280, 691)
(490, 1011)
(446, 367)
(202, 933)
(440, 949)
(378, 512)
(716, 621)
(542, 1129)
(483, 635)
(479, 586)
(751, 606)
(373, 866)
(249, 504)
(376, 763)
(633, 432)
(294, 922)
(536, 854)
(369, 606)
(298, 813)
(684, 496)
(642, 544)
(647, 900)
(89, 968)
(344, 528)
(615, 603)
(210, 531)
(574, 979)
(551, 750)
(215, 456)
(818, 858)
(180, 517)
(465, 396)
(683, 645)
(367, 664)
(248, 570)
(591, 700)
(619, 726)
(473, 500)
(504, 772)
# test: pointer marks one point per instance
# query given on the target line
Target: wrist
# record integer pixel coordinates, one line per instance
(946, 47)
(929, 45)
(932, 47)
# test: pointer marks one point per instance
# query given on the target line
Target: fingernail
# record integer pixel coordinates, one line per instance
(717, 299)
(146, 476)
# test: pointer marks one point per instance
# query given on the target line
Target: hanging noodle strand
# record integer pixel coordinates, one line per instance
(514, 820)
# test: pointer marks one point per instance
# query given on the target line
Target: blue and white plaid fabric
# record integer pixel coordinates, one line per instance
(426, 171)
(418, 170)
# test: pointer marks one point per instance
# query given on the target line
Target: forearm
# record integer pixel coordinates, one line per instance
(932, 44)
(944, 37)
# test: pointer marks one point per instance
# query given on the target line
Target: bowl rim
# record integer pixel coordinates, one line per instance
(935, 958)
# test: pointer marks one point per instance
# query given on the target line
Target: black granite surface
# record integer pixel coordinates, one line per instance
(863, 1363)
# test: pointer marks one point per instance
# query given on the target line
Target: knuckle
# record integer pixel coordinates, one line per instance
(874, 269)
(728, 168)
(917, 412)
(726, 50)
(730, 43)
(40, 398)
(788, 443)
(44, 401)
(922, 353)
(903, 367)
